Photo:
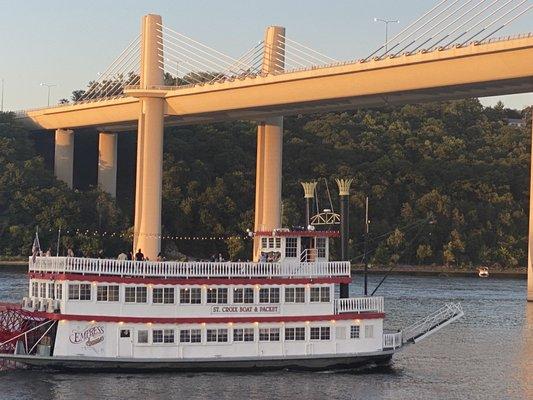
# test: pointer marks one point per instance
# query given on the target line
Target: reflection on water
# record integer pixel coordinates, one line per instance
(526, 353)
(486, 355)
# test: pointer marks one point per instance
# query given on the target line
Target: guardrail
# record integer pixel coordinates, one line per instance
(433, 322)
(358, 304)
(392, 340)
(201, 269)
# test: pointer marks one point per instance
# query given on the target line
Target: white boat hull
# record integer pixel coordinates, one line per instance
(312, 363)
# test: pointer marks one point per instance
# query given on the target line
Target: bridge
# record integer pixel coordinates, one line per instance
(449, 52)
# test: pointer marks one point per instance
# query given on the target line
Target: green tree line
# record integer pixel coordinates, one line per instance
(447, 182)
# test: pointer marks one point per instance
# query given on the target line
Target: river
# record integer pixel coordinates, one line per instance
(488, 354)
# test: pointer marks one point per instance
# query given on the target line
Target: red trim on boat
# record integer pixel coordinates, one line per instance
(212, 320)
(190, 281)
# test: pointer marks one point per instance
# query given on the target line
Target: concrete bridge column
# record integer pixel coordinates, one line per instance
(530, 238)
(64, 156)
(147, 230)
(107, 162)
(269, 146)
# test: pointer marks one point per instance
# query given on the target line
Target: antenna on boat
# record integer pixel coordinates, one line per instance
(367, 228)
(58, 239)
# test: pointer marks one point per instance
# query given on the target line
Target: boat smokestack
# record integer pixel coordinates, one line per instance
(309, 194)
(344, 197)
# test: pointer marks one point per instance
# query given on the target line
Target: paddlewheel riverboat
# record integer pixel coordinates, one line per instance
(106, 314)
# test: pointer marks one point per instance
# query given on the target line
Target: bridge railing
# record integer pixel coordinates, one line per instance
(195, 269)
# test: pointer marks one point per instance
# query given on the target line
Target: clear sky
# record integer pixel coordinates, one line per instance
(68, 42)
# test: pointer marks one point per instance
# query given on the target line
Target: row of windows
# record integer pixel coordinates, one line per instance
(39, 289)
(221, 335)
(291, 246)
(167, 295)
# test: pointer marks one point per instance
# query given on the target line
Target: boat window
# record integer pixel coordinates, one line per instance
(320, 333)
(269, 295)
(243, 334)
(217, 295)
(295, 295)
(135, 294)
(107, 293)
(157, 336)
(163, 295)
(319, 294)
(35, 289)
(185, 336)
(51, 293)
(217, 335)
(297, 333)
(243, 295)
(59, 291)
(354, 332)
(124, 333)
(321, 247)
(191, 296)
(142, 336)
(79, 291)
(42, 289)
(168, 336)
(196, 335)
(269, 334)
(291, 247)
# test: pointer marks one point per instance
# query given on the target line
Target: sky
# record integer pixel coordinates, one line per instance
(67, 43)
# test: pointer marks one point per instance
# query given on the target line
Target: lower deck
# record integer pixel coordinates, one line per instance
(212, 341)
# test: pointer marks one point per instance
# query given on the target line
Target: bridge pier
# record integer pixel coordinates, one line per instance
(64, 156)
(148, 191)
(530, 236)
(269, 146)
(107, 162)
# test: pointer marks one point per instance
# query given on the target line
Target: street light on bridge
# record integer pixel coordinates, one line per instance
(387, 22)
(49, 86)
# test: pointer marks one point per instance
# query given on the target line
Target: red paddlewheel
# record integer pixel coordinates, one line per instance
(13, 322)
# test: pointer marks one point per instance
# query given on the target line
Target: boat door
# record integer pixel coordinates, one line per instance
(125, 341)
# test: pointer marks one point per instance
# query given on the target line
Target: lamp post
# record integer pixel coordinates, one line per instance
(49, 86)
(387, 22)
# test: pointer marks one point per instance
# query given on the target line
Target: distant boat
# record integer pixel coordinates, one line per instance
(483, 272)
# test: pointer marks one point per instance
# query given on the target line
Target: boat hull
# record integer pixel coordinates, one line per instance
(308, 363)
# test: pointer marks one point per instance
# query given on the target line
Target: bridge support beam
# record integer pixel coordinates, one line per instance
(147, 230)
(107, 162)
(530, 237)
(269, 146)
(64, 156)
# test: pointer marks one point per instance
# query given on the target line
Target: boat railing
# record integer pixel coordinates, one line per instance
(359, 304)
(193, 269)
(392, 340)
(433, 322)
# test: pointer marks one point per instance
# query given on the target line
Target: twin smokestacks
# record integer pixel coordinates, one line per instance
(344, 195)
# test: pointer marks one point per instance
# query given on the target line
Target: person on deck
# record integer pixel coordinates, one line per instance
(139, 256)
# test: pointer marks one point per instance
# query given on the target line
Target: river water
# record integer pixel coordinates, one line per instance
(488, 354)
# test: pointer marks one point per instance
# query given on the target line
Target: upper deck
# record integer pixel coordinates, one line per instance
(187, 270)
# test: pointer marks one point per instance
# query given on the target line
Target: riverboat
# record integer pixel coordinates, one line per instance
(106, 314)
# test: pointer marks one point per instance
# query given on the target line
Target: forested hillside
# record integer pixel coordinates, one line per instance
(448, 183)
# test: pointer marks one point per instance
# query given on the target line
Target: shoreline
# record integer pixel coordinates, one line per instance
(425, 270)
